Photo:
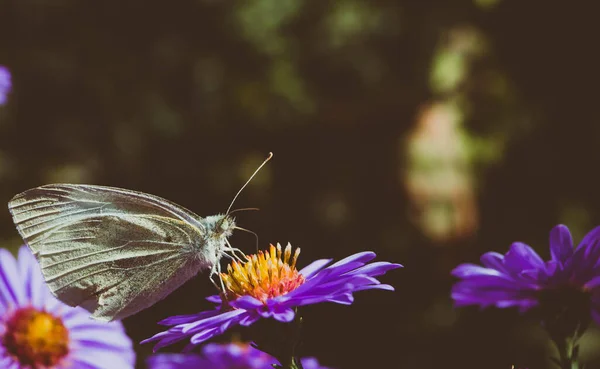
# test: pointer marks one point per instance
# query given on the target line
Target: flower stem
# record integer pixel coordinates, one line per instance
(568, 350)
(295, 364)
(290, 360)
(566, 324)
(280, 341)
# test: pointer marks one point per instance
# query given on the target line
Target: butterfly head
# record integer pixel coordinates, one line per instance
(226, 226)
(219, 226)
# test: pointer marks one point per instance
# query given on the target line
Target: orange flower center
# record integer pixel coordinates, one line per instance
(36, 338)
(269, 274)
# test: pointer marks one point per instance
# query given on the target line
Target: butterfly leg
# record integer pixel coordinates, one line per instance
(216, 271)
(233, 251)
(213, 272)
(221, 279)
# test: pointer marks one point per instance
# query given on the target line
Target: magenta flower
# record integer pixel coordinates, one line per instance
(39, 331)
(269, 286)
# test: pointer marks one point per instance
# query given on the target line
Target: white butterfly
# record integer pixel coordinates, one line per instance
(116, 252)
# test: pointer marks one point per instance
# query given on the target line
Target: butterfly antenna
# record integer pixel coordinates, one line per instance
(249, 231)
(248, 181)
(243, 209)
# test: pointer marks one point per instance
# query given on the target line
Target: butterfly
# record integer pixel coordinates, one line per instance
(114, 251)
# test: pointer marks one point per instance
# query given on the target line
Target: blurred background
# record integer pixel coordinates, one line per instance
(427, 131)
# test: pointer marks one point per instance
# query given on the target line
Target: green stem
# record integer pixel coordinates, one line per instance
(290, 361)
(295, 364)
(281, 341)
(567, 350)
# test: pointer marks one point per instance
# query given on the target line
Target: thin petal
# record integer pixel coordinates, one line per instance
(165, 341)
(376, 269)
(561, 243)
(593, 283)
(249, 319)
(216, 299)
(102, 359)
(590, 237)
(247, 303)
(493, 260)
(361, 257)
(283, 314)
(208, 322)
(204, 335)
(521, 257)
(314, 267)
(343, 299)
(175, 361)
(11, 290)
(469, 270)
(83, 364)
(184, 319)
(385, 287)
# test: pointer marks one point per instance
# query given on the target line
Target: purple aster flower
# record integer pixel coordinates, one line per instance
(521, 278)
(5, 84)
(268, 285)
(39, 331)
(223, 356)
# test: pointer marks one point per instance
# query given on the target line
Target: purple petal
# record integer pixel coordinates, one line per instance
(521, 257)
(309, 299)
(314, 267)
(247, 303)
(593, 283)
(581, 265)
(175, 361)
(530, 275)
(311, 283)
(385, 287)
(36, 290)
(169, 340)
(249, 319)
(5, 84)
(498, 282)
(215, 299)
(591, 237)
(11, 292)
(376, 269)
(214, 320)
(469, 270)
(102, 358)
(283, 314)
(204, 335)
(463, 295)
(348, 283)
(561, 243)
(551, 267)
(311, 363)
(361, 257)
(158, 337)
(343, 299)
(493, 260)
(184, 319)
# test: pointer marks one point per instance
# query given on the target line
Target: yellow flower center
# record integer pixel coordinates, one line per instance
(263, 276)
(36, 338)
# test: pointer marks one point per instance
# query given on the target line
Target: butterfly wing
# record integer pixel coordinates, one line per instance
(112, 251)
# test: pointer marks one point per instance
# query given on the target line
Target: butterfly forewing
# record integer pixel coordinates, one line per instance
(109, 250)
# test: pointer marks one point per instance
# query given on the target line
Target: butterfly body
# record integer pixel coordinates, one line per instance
(113, 251)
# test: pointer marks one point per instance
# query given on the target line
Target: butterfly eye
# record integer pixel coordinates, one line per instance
(224, 224)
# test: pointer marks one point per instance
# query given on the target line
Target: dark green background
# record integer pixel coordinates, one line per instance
(183, 99)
